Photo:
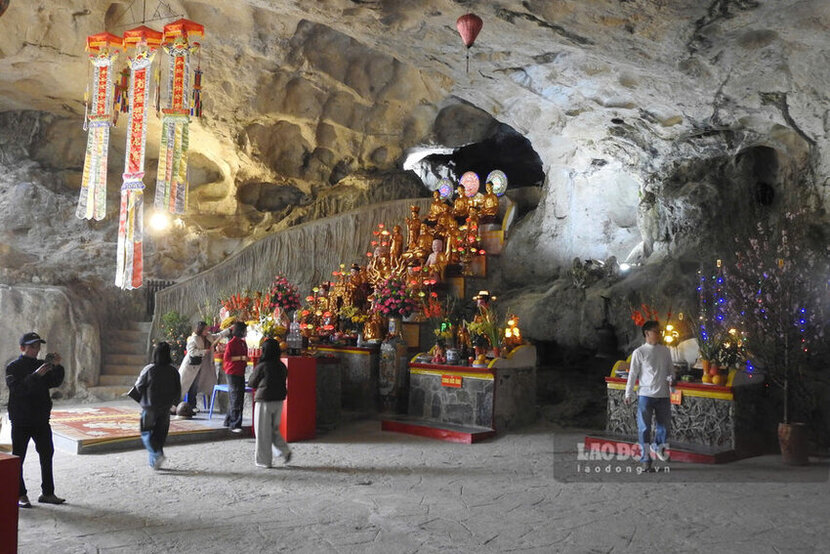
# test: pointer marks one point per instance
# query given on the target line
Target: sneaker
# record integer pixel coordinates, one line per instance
(236, 430)
(266, 466)
(159, 461)
(23, 502)
(661, 452)
(645, 467)
(50, 499)
(287, 458)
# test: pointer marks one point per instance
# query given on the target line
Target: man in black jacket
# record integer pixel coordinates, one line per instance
(30, 405)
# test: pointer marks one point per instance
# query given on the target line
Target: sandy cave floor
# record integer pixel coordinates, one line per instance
(358, 489)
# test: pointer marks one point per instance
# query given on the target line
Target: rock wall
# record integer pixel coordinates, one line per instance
(66, 322)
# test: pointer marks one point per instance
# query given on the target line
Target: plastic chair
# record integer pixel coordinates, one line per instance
(222, 388)
(204, 399)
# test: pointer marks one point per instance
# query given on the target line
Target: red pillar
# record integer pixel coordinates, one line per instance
(9, 485)
(299, 411)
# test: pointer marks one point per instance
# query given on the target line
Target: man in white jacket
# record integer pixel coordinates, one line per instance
(651, 364)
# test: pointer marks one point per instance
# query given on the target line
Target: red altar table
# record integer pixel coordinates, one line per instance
(9, 481)
(299, 411)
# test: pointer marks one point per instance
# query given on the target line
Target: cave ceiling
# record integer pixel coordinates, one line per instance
(601, 103)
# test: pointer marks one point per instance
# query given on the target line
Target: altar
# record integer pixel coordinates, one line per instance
(358, 375)
(710, 423)
(468, 403)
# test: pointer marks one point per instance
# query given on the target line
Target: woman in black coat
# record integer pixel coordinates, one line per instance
(269, 380)
(160, 388)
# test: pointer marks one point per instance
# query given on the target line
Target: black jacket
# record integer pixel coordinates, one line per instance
(29, 401)
(159, 386)
(268, 378)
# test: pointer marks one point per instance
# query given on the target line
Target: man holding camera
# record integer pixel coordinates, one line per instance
(30, 405)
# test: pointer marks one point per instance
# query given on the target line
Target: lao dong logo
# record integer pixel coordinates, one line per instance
(599, 458)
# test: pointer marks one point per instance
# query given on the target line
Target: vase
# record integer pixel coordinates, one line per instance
(394, 326)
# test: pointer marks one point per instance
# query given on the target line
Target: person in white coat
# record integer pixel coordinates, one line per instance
(198, 374)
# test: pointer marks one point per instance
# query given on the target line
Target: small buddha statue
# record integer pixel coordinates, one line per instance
(437, 260)
(439, 353)
(437, 208)
(373, 328)
(357, 287)
(461, 206)
(413, 226)
(451, 237)
(444, 221)
(395, 245)
(424, 244)
(489, 205)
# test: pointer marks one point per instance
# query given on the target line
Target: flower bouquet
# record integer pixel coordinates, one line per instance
(393, 299)
(283, 294)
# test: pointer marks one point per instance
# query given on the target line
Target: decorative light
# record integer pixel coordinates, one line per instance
(512, 333)
(160, 221)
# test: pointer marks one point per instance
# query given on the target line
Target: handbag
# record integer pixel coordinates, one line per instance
(196, 360)
(134, 394)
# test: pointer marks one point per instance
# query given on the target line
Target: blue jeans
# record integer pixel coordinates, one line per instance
(646, 408)
(154, 428)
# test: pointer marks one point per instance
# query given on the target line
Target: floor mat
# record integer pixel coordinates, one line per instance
(79, 429)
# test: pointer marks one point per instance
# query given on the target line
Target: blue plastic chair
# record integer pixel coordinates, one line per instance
(222, 388)
(204, 399)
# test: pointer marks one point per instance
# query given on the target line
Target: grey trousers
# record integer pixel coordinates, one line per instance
(269, 441)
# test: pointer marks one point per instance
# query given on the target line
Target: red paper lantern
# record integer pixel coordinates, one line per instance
(469, 26)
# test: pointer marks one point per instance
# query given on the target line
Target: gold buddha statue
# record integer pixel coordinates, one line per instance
(451, 237)
(461, 206)
(424, 244)
(437, 208)
(395, 245)
(489, 205)
(413, 226)
(373, 328)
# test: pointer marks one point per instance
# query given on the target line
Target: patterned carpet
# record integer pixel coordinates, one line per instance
(96, 425)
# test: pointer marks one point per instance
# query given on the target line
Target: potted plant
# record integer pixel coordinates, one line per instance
(175, 329)
(778, 292)
(486, 325)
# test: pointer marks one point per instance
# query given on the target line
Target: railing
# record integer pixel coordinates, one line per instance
(151, 287)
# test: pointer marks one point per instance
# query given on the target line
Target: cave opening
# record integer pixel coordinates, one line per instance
(503, 148)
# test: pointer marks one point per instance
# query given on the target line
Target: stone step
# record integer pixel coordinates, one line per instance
(117, 380)
(112, 358)
(126, 335)
(119, 369)
(126, 347)
(143, 326)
